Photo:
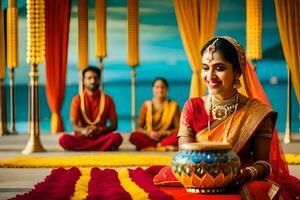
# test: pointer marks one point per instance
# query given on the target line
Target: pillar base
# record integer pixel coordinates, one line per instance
(4, 132)
(33, 145)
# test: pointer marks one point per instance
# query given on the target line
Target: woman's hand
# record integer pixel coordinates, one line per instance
(242, 177)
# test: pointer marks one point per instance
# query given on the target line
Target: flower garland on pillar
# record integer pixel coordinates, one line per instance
(12, 55)
(253, 29)
(12, 34)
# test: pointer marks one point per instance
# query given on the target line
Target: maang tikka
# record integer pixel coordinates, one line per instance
(211, 49)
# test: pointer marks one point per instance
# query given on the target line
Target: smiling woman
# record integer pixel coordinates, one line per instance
(246, 123)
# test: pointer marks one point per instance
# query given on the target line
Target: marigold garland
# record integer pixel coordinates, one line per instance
(134, 190)
(104, 160)
(81, 187)
(292, 159)
(36, 31)
(2, 52)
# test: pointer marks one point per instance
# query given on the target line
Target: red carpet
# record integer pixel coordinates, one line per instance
(96, 183)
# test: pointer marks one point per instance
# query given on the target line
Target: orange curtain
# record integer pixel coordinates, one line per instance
(83, 59)
(2, 52)
(196, 22)
(57, 15)
(288, 19)
(100, 28)
(253, 28)
(133, 36)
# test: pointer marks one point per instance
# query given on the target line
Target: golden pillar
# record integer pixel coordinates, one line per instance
(288, 136)
(34, 144)
(35, 55)
(3, 122)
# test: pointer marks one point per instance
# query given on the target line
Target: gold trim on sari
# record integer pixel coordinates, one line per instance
(160, 120)
(246, 120)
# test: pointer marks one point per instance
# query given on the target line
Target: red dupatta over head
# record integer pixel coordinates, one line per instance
(280, 172)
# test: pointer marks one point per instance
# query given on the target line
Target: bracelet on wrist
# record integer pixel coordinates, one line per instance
(266, 166)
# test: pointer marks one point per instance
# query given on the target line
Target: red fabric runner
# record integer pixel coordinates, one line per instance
(59, 185)
(105, 184)
(145, 181)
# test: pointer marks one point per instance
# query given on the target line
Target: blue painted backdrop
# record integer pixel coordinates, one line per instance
(161, 54)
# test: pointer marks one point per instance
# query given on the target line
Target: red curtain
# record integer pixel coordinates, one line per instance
(57, 17)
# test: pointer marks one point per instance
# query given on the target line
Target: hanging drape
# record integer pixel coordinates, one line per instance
(100, 28)
(133, 37)
(253, 29)
(83, 60)
(2, 52)
(196, 22)
(288, 20)
(12, 34)
(57, 15)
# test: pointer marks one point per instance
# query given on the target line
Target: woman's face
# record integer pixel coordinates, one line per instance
(160, 90)
(218, 75)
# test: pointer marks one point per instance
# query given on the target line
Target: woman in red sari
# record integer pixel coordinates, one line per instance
(158, 121)
(243, 121)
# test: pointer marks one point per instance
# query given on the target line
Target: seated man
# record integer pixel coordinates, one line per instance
(90, 112)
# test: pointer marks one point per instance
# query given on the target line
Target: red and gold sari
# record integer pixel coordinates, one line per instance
(254, 119)
(164, 121)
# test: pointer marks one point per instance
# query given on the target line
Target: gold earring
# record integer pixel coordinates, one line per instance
(237, 83)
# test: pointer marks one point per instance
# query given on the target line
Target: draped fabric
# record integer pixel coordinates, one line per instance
(196, 22)
(83, 59)
(280, 172)
(100, 29)
(57, 15)
(2, 52)
(12, 34)
(133, 33)
(256, 91)
(253, 29)
(288, 19)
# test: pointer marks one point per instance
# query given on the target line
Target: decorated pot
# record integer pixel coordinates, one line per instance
(205, 167)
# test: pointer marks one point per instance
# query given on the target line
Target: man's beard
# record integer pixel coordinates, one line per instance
(93, 87)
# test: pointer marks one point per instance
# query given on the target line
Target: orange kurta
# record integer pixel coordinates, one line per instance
(108, 141)
(91, 104)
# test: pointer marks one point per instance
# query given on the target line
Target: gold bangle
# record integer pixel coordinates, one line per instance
(253, 172)
(267, 166)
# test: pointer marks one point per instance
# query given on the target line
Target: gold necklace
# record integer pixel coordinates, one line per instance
(236, 97)
(100, 112)
(221, 109)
